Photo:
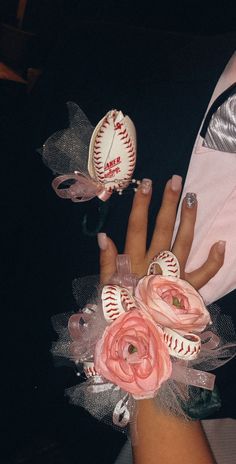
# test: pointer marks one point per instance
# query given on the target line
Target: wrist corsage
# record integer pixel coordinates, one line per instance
(141, 339)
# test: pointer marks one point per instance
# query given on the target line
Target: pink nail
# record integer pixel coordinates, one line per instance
(102, 241)
(176, 183)
(221, 246)
(146, 186)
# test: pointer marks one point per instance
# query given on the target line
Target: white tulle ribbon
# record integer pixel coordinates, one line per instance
(100, 385)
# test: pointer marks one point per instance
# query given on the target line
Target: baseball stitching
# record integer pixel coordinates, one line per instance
(124, 137)
(184, 347)
(168, 264)
(115, 301)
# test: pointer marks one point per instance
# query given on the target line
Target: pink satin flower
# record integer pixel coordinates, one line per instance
(133, 355)
(172, 303)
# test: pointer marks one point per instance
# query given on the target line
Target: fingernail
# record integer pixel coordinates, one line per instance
(191, 199)
(102, 241)
(221, 246)
(146, 186)
(176, 183)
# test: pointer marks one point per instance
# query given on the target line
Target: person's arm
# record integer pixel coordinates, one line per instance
(162, 438)
(166, 439)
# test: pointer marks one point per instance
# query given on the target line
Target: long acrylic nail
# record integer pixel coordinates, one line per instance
(102, 241)
(221, 246)
(146, 186)
(191, 199)
(176, 183)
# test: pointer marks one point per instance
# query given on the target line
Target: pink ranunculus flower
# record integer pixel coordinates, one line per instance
(133, 355)
(172, 303)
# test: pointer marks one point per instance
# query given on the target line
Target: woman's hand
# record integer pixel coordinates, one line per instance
(156, 429)
(136, 236)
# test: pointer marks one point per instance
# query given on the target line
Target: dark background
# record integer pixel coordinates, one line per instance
(159, 64)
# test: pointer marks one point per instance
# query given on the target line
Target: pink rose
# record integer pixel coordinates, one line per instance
(133, 355)
(172, 303)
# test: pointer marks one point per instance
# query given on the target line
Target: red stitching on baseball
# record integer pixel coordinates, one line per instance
(182, 347)
(127, 142)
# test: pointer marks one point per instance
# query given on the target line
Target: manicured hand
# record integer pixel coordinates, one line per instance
(136, 236)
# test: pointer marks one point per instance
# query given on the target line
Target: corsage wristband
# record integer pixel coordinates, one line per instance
(142, 339)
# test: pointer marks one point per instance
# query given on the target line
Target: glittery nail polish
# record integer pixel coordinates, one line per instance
(191, 199)
(146, 186)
